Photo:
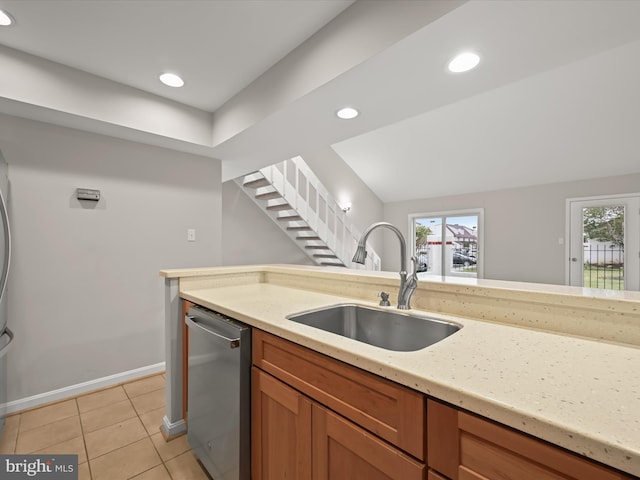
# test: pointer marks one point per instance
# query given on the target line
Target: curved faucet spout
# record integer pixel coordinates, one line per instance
(407, 287)
(361, 252)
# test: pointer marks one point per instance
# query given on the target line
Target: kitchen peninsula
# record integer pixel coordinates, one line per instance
(557, 363)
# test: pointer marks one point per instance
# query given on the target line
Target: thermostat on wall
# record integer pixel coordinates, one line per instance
(87, 194)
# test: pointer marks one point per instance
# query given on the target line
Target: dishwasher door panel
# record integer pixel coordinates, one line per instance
(218, 412)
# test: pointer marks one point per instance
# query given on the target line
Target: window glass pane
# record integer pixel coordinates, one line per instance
(462, 245)
(429, 245)
(447, 245)
(603, 243)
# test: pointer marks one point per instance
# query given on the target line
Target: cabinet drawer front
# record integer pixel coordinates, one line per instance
(433, 475)
(393, 412)
(343, 450)
(508, 444)
(491, 461)
(466, 447)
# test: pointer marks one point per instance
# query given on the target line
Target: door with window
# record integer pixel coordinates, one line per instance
(604, 242)
(448, 243)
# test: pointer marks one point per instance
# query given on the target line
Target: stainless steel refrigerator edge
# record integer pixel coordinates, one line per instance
(6, 336)
(219, 394)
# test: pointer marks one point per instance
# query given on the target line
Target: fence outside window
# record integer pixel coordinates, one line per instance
(603, 265)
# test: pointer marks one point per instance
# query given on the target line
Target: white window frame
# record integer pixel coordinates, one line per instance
(453, 213)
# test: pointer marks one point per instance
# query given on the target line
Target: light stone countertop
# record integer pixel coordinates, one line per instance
(578, 393)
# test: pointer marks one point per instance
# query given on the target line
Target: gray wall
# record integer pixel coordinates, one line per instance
(522, 226)
(85, 298)
(249, 236)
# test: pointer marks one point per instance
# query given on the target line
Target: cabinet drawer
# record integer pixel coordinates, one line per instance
(342, 450)
(466, 447)
(391, 411)
(433, 475)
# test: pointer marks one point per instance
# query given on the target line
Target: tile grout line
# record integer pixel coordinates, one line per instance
(84, 440)
(15, 441)
(162, 460)
(149, 437)
(130, 398)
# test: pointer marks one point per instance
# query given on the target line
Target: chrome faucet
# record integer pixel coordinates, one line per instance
(407, 285)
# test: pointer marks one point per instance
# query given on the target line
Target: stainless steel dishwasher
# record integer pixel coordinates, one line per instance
(219, 393)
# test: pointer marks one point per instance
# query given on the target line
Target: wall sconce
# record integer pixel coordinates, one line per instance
(346, 206)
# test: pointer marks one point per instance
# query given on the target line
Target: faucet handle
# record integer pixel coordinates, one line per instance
(384, 302)
(414, 262)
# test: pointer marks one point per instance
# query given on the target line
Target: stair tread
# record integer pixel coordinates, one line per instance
(257, 186)
(257, 183)
(268, 196)
(280, 206)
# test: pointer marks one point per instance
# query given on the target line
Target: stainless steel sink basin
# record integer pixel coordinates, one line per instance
(389, 329)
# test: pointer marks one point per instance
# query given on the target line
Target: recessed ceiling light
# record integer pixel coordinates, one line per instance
(5, 19)
(464, 62)
(171, 80)
(347, 113)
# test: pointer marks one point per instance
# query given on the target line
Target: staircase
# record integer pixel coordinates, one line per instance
(293, 197)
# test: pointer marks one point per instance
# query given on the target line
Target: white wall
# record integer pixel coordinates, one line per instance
(522, 226)
(343, 183)
(85, 298)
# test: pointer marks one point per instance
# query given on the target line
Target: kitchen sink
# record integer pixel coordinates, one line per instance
(389, 329)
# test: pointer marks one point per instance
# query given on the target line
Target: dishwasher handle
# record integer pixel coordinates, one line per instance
(233, 342)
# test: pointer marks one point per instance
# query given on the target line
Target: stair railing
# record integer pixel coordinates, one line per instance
(299, 186)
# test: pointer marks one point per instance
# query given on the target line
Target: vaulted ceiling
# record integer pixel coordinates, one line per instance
(554, 98)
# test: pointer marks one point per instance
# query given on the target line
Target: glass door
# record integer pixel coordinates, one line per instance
(604, 242)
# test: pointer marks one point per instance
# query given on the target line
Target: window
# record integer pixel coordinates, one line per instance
(448, 243)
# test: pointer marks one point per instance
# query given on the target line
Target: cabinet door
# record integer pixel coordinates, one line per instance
(433, 475)
(281, 430)
(466, 447)
(342, 450)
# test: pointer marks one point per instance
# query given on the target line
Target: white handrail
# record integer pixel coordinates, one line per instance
(299, 186)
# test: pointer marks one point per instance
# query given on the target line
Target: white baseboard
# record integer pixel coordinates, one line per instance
(79, 389)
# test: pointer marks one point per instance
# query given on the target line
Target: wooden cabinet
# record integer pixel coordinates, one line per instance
(388, 410)
(315, 417)
(433, 475)
(342, 450)
(466, 447)
(281, 435)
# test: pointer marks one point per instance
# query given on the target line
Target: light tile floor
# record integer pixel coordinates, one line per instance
(115, 433)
